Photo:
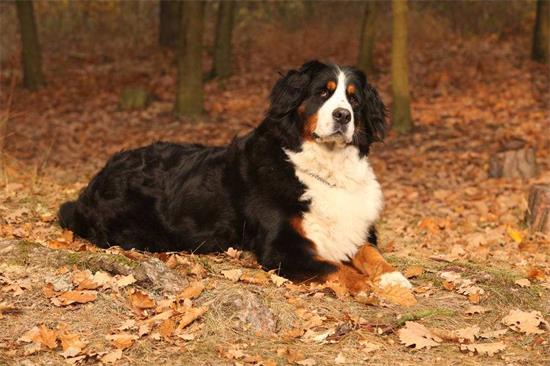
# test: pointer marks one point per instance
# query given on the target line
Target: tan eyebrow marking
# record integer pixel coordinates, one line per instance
(331, 85)
(351, 89)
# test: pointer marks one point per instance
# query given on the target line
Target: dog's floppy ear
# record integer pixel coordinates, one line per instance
(291, 89)
(374, 111)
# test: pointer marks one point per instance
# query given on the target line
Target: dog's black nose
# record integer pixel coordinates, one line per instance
(341, 116)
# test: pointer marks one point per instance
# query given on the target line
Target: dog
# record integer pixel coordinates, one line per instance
(298, 191)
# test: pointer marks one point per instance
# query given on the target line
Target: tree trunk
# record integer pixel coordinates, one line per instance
(541, 35)
(401, 109)
(538, 212)
(222, 64)
(31, 57)
(169, 22)
(368, 36)
(513, 160)
(189, 94)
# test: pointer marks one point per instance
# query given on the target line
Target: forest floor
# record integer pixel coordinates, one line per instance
(481, 279)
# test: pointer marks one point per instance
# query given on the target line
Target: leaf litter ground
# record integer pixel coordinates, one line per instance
(482, 280)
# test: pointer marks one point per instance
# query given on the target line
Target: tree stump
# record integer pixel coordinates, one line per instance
(513, 160)
(135, 98)
(538, 212)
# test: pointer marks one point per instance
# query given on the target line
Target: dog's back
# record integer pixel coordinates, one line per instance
(120, 206)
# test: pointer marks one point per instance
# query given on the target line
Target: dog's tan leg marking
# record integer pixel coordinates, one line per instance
(369, 261)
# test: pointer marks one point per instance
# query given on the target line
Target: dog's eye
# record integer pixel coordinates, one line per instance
(323, 93)
(354, 101)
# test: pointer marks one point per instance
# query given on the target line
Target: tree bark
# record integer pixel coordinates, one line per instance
(169, 22)
(368, 35)
(538, 212)
(31, 57)
(222, 63)
(189, 94)
(541, 34)
(401, 109)
(513, 160)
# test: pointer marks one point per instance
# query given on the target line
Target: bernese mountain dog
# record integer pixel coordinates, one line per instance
(298, 191)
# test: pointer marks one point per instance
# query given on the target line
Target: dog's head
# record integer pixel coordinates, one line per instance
(330, 104)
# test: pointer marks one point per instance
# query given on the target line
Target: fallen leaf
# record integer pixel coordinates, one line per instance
(255, 277)
(232, 274)
(192, 291)
(524, 282)
(277, 280)
(475, 309)
(474, 298)
(140, 300)
(486, 349)
(167, 328)
(122, 340)
(112, 356)
(397, 295)
(418, 336)
(125, 281)
(71, 297)
(413, 271)
(190, 316)
(515, 235)
(530, 322)
(128, 324)
(233, 253)
(369, 347)
(47, 337)
(72, 345)
(493, 334)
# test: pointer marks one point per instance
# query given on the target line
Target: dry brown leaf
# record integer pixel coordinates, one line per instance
(49, 291)
(464, 335)
(232, 274)
(448, 285)
(72, 345)
(293, 333)
(493, 334)
(112, 356)
(530, 322)
(475, 309)
(30, 335)
(167, 328)
(140, 300)
(71, 297)
(47, 337)
(233, 253)
(536, 274)
(474, 298)
(418, 336)
(277, 280)
(413, 271)
(397, 295)
(255, 277)
(122, 340)
(125, 281)
(486, 349)
(524, 282)
(193, 290)
(190, 316)
(369, 347)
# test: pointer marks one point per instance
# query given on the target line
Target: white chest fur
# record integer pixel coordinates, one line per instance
(345, 198)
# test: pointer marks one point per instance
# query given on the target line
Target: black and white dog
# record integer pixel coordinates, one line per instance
(298, 191)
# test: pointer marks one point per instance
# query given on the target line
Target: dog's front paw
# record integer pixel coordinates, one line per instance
(394, 278)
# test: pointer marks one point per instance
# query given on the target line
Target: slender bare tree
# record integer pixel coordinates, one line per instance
(222, 63)
(401, 109)
(189, 94)
(541, 35)
(368, 35)
(31, 56)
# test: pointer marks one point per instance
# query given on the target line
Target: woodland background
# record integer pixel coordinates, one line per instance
(467, 84)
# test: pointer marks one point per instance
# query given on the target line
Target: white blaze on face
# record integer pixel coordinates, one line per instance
(326, 125)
